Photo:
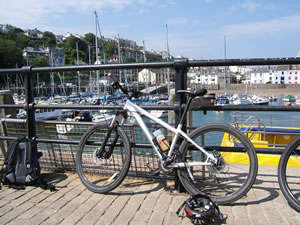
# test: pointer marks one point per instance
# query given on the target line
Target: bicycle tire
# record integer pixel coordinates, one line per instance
(102, 175)
(236, 173)
(289, 174)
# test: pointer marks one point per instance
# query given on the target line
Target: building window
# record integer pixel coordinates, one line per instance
(296, 78)
(289, 78)
(282, 72)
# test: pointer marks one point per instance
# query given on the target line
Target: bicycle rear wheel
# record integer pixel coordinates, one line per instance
(289, 174)
(237, 168)
(97, 174)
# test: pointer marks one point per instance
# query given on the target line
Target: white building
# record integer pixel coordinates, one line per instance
(191, 75)
(243, 70)
(262, 75)
(208, 76)
(210, 79)
(152, 76)
(280, 74)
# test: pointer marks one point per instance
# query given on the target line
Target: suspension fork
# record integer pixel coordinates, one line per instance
(102, 152)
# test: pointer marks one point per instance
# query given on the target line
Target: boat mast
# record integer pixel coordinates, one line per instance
(119, 54)
(168, 55)
(78, 64)
(38, 84)
(52, 75)
(102, 45)
(91, 89)
(97, 54)
(225, 68)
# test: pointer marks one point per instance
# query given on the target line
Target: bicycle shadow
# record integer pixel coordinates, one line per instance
(129, 188)
(262, 184)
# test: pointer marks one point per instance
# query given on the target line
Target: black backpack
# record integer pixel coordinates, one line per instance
(21, 165)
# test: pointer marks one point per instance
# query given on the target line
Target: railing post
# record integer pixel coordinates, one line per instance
(180, 66)
(180, 84)
(31, 131)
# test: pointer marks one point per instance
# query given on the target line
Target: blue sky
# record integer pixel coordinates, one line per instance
(253, 28)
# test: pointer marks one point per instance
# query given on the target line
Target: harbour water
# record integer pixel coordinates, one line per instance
(267, 118)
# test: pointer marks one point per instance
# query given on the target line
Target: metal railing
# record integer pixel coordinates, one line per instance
(33, 129)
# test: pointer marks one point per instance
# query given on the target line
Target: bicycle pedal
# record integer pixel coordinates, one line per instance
(154, 172)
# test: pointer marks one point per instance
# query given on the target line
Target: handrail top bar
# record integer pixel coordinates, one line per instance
(188, 63)
(163, 107)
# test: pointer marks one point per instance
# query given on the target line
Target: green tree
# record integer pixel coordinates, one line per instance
(12, 33)
(10, 54)
(90, 38)
(22, 40)
(111, 49)
(49, 39)
(34, 43)
(70, 49)
(129, 60)
(39, 61)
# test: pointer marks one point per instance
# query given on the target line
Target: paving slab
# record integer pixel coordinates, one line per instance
(137, 202)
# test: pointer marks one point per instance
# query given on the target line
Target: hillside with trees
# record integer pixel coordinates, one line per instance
(15, 41)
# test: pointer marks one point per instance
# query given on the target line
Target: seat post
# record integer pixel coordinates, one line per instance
(187, 106)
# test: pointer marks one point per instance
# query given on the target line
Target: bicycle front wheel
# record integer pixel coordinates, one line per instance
(289, 174)
(102, 175)
(237, 165)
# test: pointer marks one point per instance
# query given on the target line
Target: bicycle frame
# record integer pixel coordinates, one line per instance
(137, 112)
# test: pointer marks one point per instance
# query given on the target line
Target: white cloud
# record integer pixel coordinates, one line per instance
(250, 6)
(265, 29)
(178, 21)
(38, 13)
(142, 11)
(247, 6)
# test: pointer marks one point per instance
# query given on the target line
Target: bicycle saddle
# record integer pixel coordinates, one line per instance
(193, 93)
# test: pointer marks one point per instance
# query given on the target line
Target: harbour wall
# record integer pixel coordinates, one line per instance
(278, 90)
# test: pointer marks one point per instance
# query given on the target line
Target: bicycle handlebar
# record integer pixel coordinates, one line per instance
(130, 94)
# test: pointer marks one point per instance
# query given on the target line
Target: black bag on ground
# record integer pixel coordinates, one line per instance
(21, 165)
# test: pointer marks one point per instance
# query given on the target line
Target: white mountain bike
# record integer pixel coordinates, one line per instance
(216, 159)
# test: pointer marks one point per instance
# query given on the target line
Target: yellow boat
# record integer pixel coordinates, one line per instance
(264, 138)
